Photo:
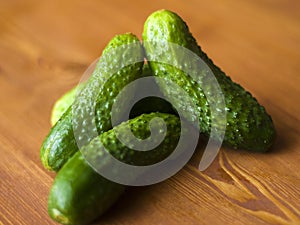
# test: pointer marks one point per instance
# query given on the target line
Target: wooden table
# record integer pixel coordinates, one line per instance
(45, 46)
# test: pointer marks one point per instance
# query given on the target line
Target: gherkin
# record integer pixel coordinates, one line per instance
(63, 103)
(79, 194)
(60, 144)
(248, 125)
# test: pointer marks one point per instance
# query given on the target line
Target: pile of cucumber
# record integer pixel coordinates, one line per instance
(79, 194)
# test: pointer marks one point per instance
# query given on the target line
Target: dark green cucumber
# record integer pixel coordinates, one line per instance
(60, 144)
(146, 105)
(79, 194)
(248, 124)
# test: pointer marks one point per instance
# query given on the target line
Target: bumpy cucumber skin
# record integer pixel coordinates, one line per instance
(60, 144)
(248, 124)
(147, 105)
(79, 195)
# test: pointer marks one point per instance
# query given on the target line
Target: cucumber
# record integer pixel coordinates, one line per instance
(79, 194)
(248, 124)
(60, 144)
(63, 103)
(146, 105)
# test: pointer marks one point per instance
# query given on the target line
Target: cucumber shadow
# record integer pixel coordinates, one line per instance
(128, 206)
(135, 201)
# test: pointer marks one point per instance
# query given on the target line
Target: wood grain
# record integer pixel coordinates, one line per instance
(45, 46)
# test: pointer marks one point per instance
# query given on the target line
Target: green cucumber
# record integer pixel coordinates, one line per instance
(63, 103)
(248, 124)
(60, 144)
(146, 105)
(79, 194)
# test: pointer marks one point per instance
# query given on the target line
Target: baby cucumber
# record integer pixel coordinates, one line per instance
(63, 103)
(79, 194)
(146, 105)
(248, 124)
(60, 144)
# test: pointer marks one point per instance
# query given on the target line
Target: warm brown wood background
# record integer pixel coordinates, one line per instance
(45, 46)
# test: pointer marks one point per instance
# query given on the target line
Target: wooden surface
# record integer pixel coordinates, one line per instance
(45, 46)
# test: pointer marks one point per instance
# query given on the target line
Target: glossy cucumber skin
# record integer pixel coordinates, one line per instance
(248, 124)
(67, 143)
(63, 103)
(60, 144)
(79, 195)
